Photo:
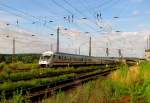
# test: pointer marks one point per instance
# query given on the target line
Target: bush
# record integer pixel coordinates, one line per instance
(2, 65)
(12, 86)
(145, 70)
(17, 97)
(6, 73)
(48, 72)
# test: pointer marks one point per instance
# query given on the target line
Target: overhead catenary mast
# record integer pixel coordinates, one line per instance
(13, 50)
(149, 42)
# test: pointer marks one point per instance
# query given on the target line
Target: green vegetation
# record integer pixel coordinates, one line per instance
(25, 58)
(17, 67)
(12, 86)
(24, 73)
(126, 85)
(7, 75)
(22, 66)
(32, 76)
(17, 98)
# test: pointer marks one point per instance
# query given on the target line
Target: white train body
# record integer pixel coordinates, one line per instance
(46, 58)
(63, 59)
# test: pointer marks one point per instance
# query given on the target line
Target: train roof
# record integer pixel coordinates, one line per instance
(48, 53)
(69, 54)
(51, 53)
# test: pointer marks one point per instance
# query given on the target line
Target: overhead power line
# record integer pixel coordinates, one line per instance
(23, 14)
(84, 16)
(59, 5)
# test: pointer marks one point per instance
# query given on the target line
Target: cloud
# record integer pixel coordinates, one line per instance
(83, 21)
(131, 43)
(147, 12)
(105, 26)
(70, 32)
(143, 27)
(25, 42)
(135, 13)
(7, 17)
(138, 1)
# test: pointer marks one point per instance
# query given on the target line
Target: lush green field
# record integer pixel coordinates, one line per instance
(35, 77)
(25, 58)
(126, 85)
(19, 76)
(43, 72)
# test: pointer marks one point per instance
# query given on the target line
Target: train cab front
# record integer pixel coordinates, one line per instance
(45, 60)
(43, 64)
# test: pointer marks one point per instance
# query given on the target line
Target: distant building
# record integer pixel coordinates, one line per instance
(147, 54)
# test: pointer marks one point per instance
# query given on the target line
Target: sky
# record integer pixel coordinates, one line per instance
(77, 20)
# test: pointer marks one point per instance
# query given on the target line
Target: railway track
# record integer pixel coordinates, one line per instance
(36, 94)
(44, 75)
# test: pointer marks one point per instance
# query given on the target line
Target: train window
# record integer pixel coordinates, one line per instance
(67, 58)
(64, 57)
(59, 57)
(74, 58)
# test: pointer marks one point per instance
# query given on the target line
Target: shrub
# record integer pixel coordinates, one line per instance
(49, 72)
(2, 65)
(6, 74)
(17, 97)
(145, 70)
(12, 86)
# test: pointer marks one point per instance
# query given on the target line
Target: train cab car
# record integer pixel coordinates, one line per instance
(46, 59)
(49, 59)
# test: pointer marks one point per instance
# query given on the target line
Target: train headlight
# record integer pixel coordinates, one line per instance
(106, 65)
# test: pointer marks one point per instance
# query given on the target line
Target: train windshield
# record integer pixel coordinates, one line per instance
(45, 58)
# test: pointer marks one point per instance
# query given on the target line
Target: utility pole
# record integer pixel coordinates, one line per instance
(58, 39)
(76, 51)
(13, 50)
(149, 42)
(51, 47)
(90, 46)
(107, 52)
(119, 52)
(79, 50)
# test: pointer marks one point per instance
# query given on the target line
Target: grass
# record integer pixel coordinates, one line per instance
(18, 66)
(12, 86)
(145, 70)
(17, 98)
(21, 66)
(7, 75)
(12, 81)
(126, 85)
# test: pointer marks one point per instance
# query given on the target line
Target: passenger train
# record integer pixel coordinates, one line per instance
(49, 59)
